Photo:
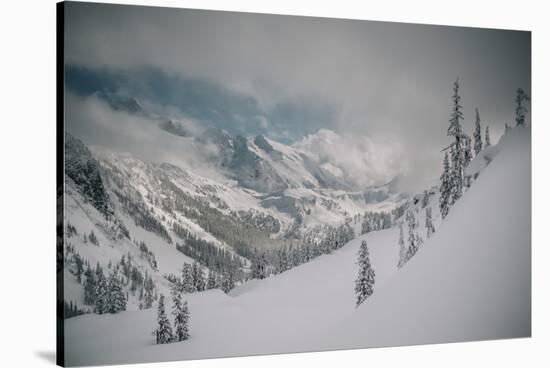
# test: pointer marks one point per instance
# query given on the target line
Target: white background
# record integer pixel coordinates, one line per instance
(27, 181)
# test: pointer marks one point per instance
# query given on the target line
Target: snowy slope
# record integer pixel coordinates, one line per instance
(279, 314)
(86, 219)
(471, 280)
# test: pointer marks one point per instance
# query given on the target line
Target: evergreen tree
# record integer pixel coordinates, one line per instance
(487, 137)
(101, 292)
(429, 224)
(366, 276)
(187, 280)
(521, 96)
(117, 297)
(457, 147)
(79, 268)
(425, 199)
(478, 144)
(163, 332)
(402, 249)
(219, 280)
(228, 282)
(259, 264)
(198, 277)
(282, 260)
(148, 291)
(467, 159)
(89, 286)
(445, 188)
(211, 281)
(180, 311)
(413, 240)
(467, 151)
(93, 238)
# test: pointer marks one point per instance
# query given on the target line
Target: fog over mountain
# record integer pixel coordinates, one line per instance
(289, 77)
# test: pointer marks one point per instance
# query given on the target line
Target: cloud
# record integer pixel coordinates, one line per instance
(375, 79)
(363, 160)
(92, 120)
(203, 101)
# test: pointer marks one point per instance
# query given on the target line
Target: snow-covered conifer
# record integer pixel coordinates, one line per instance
(429, 223)
(148, 292)
(116, 296)
(258, 266)
(163, 332)
(402, 249)
(467, 159)
(457, 146)
(282, 258)
(413, 240)
(487, 137)
(89, 286)
(93, 238)
(478, 144)
(366, 276)
(228, 282)
(101, 292)
(467, 151)
(180, 311)
(445, 188)
(425, 198)
(211, 281)
(187, 281)
(521, 96)
(198, 277)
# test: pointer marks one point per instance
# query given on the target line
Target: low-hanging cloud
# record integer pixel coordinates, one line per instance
(97, 124)
(363, 160)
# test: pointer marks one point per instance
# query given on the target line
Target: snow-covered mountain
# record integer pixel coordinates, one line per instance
(265, 196)
(468, 281)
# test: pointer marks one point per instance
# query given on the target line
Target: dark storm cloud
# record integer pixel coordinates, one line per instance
(386, 80)
(203, 100)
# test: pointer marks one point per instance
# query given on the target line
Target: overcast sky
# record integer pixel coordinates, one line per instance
(387, 84)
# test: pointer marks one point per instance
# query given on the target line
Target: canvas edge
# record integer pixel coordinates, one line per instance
(60, 133)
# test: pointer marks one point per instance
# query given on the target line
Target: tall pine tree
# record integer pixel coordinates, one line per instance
(163, 332)
(429, 223)
(180, 311)
(187, 279)
(101, 292)
(211, 281)
(487, 137)
(521, 96)
(228, 281)
(467, 151)
(117, 297)
(467, 159)
(258, 266)
(198, 277)
(366, 276)
(478, 144)
(445, 188)
(413, 239)
(402, 249)
(457, 146)
(89, 286)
